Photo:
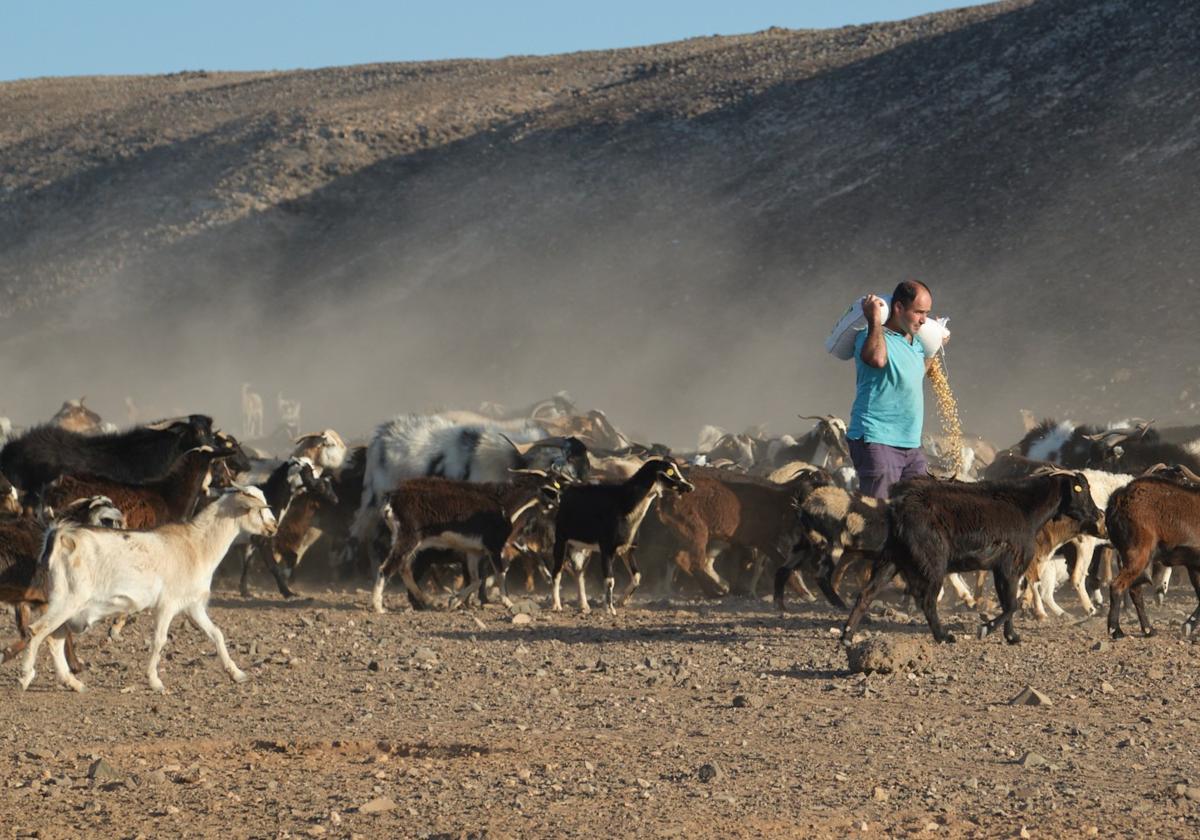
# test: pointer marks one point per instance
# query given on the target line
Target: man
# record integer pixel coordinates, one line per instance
(889, 400)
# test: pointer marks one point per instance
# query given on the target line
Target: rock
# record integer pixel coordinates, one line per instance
(155, 777)
(189, 776)
(522, 618)
(1106, 688)
(1193, 793)
(1156, 674)
(426, 655)
(1024, 833)
(748, 701)
(710, 772)
(1030, 696)
(372, 665)
(1031, 760)
(101, 771)
(526, 606)
(377, 806)
(479, 623)
(880, 795)
(1100, 646)
(889, 654)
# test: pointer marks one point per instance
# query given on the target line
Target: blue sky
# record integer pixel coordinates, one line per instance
(88, 37)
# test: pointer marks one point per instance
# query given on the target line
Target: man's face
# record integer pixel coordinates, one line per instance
(912, 317)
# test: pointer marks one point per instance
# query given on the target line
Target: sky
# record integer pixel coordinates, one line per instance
(73, 38)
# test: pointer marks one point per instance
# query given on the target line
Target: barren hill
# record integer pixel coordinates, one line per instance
(668, 232)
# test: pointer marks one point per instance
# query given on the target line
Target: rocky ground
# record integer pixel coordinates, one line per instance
(686, 718)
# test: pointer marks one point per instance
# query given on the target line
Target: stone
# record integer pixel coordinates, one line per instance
(889, 654)
(525, 605)
(880, 795)
(748, 701)
(710, 772)
(378, 805)
(1106, 688)
(1031, 760)
(372, 665)
(522, 618)
(424, 654)
(101, 771)
(1030, 696)
(1100, 646)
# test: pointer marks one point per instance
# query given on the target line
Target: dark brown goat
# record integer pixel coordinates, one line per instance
(146, 504)
(1149, 519)
(939, 527)
(475, 518)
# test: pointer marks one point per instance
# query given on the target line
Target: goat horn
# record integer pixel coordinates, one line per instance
(1157, 468)
(811, 417)
(538, 473)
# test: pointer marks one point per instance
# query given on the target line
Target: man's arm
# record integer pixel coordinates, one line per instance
(874, 351)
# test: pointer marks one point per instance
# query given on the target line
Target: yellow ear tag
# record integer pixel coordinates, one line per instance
(1078, 489)
(671, 471)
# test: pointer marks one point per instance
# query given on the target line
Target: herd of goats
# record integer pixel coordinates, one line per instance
(99, 524)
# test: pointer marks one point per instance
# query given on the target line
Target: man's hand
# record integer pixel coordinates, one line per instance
(873, 309)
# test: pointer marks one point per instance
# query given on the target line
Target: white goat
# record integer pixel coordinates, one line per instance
(92, 573)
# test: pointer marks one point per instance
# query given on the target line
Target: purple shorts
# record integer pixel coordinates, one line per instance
(879, 466)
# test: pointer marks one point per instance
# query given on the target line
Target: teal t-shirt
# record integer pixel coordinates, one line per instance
(889, 402)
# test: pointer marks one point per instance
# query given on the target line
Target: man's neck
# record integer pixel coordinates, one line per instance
(895, 327)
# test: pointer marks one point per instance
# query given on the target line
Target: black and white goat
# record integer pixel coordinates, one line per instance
(606, 518)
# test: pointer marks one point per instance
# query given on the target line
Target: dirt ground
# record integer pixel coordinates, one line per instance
(688, 718)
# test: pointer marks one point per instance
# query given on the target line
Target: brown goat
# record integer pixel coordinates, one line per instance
(739, 510)
(1152, 519)
(146, 504)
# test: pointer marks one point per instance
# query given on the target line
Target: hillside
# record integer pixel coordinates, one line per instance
(667, 232)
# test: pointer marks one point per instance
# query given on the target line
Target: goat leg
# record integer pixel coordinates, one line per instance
(1006, 585)
(1189, 626)
(1137, 594)
(882, 572)
(926, 596)
(635, 575)
(606, 565)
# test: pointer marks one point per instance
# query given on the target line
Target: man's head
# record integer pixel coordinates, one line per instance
(911, 302)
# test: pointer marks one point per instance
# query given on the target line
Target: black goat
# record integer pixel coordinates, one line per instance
(606, 517)
(43, 453)
(939, 527)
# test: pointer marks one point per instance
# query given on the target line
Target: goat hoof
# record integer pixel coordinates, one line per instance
(239, 676)
(1149, 632)
(1188, 629)
(947, 639)
(1014, 639)
(26, 679)
(1116, 634)
(983, 631)
(77, 686)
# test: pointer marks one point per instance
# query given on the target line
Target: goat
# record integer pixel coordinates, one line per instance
(824, 446)
(146, 504)
(1124, 450)
(839, 528)
(606, 518)
(735, 510)
(1152, 519)
(20, 545)
(296, 533)
(413, 446)
(10, 500)
(74, 416)
(252, 413)
(938, 527)
(93, 573)
(43, 453)
(281, 487)
(325, 449)
(289, 413)
(475, 518)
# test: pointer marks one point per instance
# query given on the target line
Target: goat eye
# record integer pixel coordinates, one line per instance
(1078, 489)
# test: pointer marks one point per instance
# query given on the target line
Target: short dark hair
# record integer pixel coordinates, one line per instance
(906, 292)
